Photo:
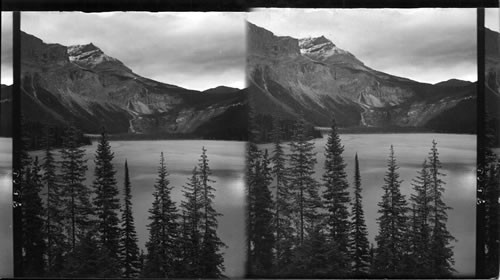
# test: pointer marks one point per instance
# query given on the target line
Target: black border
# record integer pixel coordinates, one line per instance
(124, 5)
(239, 6)
(227, 5)
(16, 134)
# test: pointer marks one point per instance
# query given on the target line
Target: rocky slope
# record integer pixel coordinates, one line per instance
(314, 78)
(492, 60)
(83, 85)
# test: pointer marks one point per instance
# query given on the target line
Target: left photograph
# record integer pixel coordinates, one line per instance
(133, 130)
(6, 148)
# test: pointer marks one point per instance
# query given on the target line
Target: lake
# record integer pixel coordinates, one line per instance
(6, 234)
(458, 156)
(226, 160)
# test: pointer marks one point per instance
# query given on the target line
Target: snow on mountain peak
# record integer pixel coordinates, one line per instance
(310, 42)
(89, 55)
(319, 47)
(77, 50)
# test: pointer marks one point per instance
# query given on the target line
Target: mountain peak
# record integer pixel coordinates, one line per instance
(77, 50)
(322, 49)
(306, 43)
(91, 56)
(221, 89)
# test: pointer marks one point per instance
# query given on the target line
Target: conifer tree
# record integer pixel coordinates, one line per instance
(20, 163)
(106, 202)
(392, 224)
(409, 262)
(184, 265)
(253, 156)
(442, 252)
(491, 201)
(75, 194)
(192, 206)
(282, 219)
(488, 197)
(211, 257)
(336, 199)
(304, 187)
(33, 222)
(263, 242)
(359, 233)
(420, 234)
(372, 259)
(129, 250)
(142, 258)
(163, 247)
(153, 260)
(56, 240)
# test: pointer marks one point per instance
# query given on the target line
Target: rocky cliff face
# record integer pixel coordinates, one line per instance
(314, 78)
(83, 85)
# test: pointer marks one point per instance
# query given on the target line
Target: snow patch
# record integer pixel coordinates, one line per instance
(320, 47)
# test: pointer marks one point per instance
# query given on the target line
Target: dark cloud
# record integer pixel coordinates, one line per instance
(192, 50)
(6, 69)
(428, 45)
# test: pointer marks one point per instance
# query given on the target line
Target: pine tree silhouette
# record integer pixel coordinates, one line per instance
(359, 234)
(336, 201)
(129, 250)
(392, 225)
(442, 253)
(106, 201)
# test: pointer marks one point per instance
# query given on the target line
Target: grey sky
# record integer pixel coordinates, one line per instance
(6, 77)
(191, 50)
(426, 45)
(492, 19)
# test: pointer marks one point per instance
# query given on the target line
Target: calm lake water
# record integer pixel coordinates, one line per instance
(6, 235)
(458, 156)
(226, 160)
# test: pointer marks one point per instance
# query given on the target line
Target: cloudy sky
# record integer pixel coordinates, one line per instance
(492, 19)
(191, 50)
(426, 45)
(6, 77)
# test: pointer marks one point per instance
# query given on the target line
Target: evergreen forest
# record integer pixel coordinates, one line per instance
(65, 228)
(299, 226)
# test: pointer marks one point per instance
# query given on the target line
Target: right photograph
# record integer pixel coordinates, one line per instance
(361, 159)
(488, 187)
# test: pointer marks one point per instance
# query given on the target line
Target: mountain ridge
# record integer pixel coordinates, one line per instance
(81, 84)
(321, 80)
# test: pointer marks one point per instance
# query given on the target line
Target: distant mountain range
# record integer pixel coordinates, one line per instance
(82, 85)
(314, 79)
